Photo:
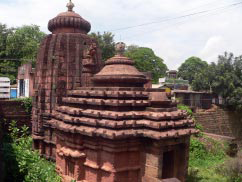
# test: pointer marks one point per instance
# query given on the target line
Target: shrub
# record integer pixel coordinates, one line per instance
(232, 168)
(193, 175)
(205, 155)
(185, 108)
(197, 149)
(26, 103)
(23, 164)
(204, 149)
(190, 113)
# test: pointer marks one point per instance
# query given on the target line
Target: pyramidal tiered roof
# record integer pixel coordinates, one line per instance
(120, 71)
(118, 106)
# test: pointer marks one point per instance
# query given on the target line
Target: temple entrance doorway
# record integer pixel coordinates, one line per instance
(168, 164)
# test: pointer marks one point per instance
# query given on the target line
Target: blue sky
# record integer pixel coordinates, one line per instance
(205, 35)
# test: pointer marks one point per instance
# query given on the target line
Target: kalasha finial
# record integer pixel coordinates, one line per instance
(120, 48)
(70, 6)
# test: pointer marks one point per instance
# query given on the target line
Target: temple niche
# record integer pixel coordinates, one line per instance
(67, 59)
(102, 124)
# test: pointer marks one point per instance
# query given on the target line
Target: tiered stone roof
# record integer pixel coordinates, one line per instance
(119, 107)
(120, 72)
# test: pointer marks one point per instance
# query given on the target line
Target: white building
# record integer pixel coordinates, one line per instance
(25, 81)
(4, 88)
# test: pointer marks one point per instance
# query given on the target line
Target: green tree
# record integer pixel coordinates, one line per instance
(146, 60)
(191, 67)
(224, 79)
(4, 32)
(24, 42)
(106, 43)
(204, 79)
(228, 80)
(7, 68)
(16, 46)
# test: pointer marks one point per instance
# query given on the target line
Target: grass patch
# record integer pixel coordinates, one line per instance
(207, 160)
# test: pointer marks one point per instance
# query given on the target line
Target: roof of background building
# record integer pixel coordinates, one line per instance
(189, 92)
(4, 79)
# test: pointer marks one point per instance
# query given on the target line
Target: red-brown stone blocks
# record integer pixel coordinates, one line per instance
(103, 126)
(58, 69)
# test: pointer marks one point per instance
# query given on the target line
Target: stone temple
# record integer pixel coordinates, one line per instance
(100, 124)
(67, 59)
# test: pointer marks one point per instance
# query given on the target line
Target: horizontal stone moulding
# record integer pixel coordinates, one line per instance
(115, 115)
(123, 124)
(106, 102)
(122, 134)
(108, 94)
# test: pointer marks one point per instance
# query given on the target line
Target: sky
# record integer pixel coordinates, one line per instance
(174, 29)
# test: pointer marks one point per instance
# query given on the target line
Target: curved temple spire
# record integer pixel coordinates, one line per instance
(70, 6)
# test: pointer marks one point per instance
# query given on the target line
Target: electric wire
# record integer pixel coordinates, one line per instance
(177, 23)
(172, 25)
(178, 17)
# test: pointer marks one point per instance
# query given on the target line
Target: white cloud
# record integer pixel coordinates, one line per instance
(213, 46)
(203, 35)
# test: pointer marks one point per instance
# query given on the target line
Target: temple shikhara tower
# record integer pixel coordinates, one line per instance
(102, 124)
(67, 59)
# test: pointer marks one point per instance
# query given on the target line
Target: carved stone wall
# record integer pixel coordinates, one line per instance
(65, 62)
(96, 159)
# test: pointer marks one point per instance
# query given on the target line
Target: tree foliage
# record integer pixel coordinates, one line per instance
(191, 67)
(146, 60)
(223, 78)
(4, 33)
(24, 42)
(106, 43)
(204, 78)
(16, 46)
(228, 80)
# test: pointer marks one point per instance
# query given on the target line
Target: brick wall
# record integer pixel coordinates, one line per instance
(1, 155)
(12, 110)
(221, 122)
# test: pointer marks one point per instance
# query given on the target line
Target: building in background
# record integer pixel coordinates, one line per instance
(182, 92)
(13, 91)
(195, 100)
(4, 88)
(25, 80)
(173, 82)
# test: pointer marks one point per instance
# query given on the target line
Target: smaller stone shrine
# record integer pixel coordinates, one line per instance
(116, 130)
